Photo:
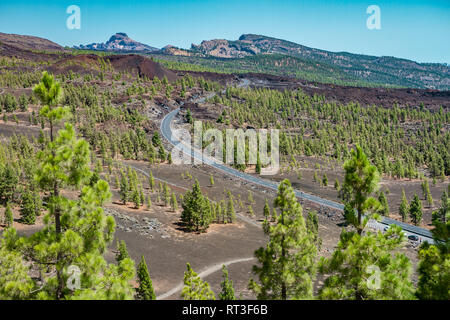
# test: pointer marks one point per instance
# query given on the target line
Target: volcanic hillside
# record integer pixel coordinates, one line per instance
(56, 59)
(140, 65)
(29, 42)
(134, 64)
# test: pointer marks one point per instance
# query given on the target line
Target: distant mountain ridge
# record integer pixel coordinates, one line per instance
(119, 42)
(383, 69)
(262, 54)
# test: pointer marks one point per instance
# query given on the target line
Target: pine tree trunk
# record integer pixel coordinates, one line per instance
(360, 227)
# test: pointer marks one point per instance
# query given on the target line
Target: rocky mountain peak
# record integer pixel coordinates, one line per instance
(120, 42)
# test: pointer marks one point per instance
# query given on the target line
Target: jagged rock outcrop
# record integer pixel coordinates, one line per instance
(174, 51)
(119, 42)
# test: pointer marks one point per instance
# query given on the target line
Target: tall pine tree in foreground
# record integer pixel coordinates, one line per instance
(288, 262)
(194, 287)
(367, 267)
(76, 232)
(145, 290)
(434, 264)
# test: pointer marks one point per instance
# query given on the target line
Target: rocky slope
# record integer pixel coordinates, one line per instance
(119, 42)
(174, 51)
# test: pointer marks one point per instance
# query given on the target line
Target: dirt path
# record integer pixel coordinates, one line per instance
(209, 270)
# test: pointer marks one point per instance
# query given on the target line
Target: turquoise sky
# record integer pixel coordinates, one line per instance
(417, 30)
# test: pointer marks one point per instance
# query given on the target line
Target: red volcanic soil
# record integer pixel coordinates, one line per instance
(135, 64)
(29, 42)
(140, 65)
(85, 63)
(62, 62)
(8, 50)
(387, 97)
(31, 48)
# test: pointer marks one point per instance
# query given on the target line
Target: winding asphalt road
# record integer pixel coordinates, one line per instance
(168, 134)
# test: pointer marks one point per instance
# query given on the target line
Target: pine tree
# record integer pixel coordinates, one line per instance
(434, 272)
(287, 262)
(151, 181)
(312, 224)
(433, 268)
(194, 287)
(158, 198)
(136, 197)
(145, 290)
(141, 195)
(122, 251)
(425, 188)
(189, 117)
(384, 206)
(8, 183)
(149, 202)
(429, 198)
(274, 215)
(403, 210)
(124, 191)
(337, 184)
(361, 180)
(250, 211)
(266, 210)
(227, 290)
(196, 213)
(166, 195)
(367, 268)
(174, 202)
(156, 140)
(231, 213)
(443, 213)
(161, 153)
(415, 210)
(116, 181)
(28, 208)
(76, 232)
(325, 180)
(8, 220)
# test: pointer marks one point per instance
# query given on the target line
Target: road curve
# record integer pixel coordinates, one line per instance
(166, 131)
(209, 270)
